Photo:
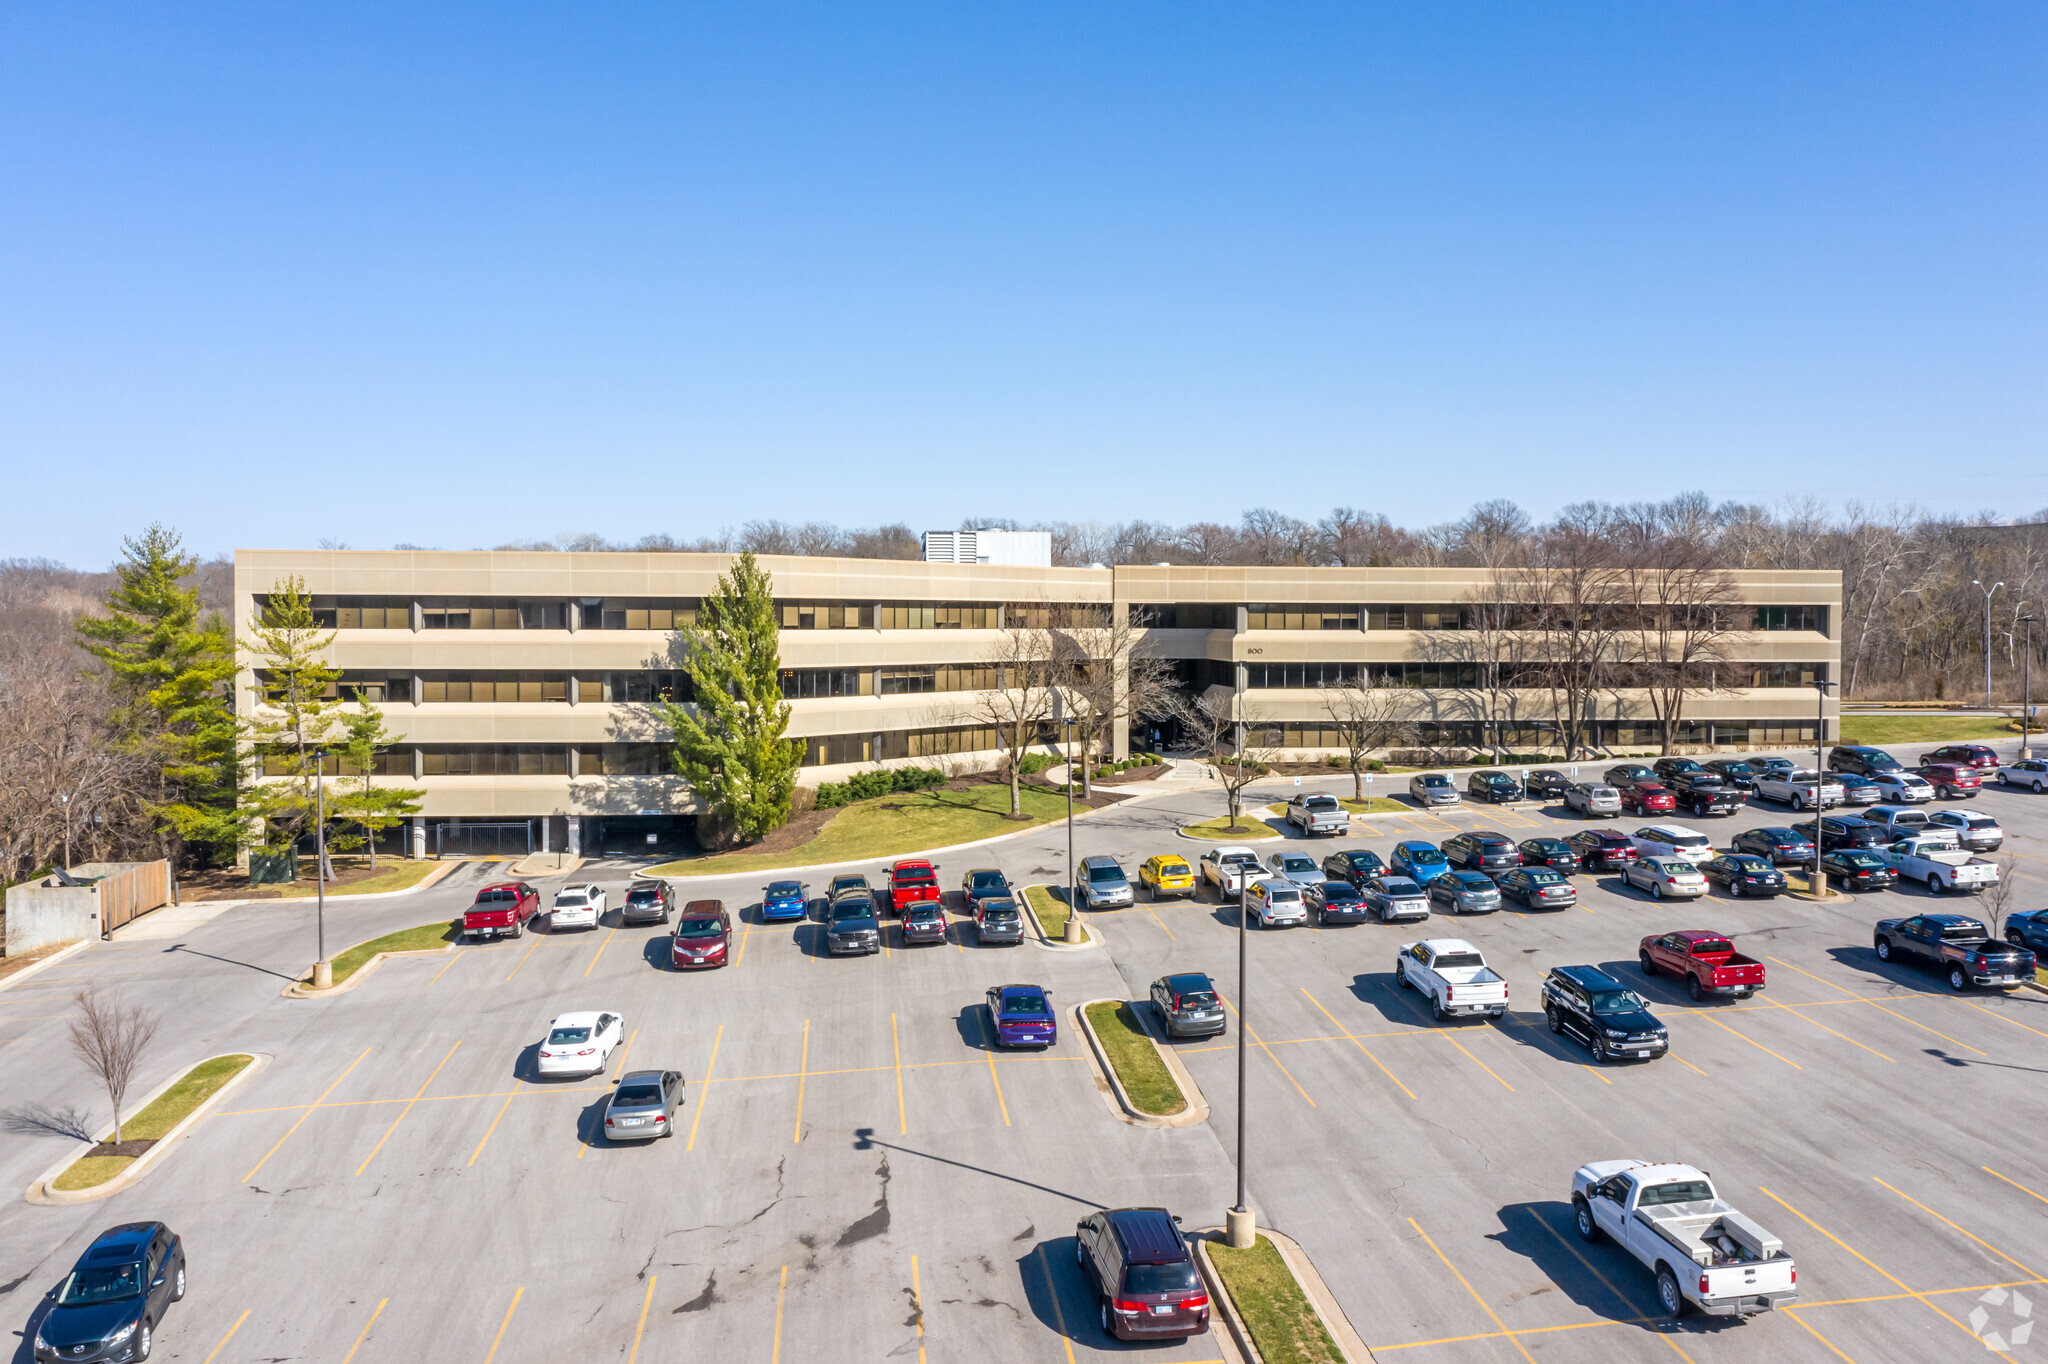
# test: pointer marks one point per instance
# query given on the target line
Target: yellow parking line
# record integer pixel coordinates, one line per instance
(1879, 1007)
(2015, 1183)
(1683, 1062)
(1895, 1279)
(610, 933)
(453, 957)
(364, 1334)
(522, 961)
(1844, 1036)
(226, 1338)
(775, 1357)
(493, 1127)
(989, 1053)
(499, 1338)
(2002, 1018)
(896, 1045)
(1477, 1062)
(1484, 1306)
(802, 1066)
(1752, 1041)
(402, 1112)
(1361, 1046)
(1590, 1268)
(746, 931)
(917, 1309)
(1598, 1073)
(1801, 1322)
(1052, 1291)
(1258, 1042)
(303, 1116)
(1162, 923)
(645, 1303)
(1971, 1234)
(705, 1091)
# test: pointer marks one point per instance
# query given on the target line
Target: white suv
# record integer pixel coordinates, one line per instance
(576, 907)
(1673, 840)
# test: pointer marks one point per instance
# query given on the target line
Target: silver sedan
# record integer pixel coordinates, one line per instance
(643, 1106)
(1663, 877)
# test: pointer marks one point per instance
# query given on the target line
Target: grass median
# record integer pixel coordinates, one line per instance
(1371, 805)
(1283, 1322)
(1925, 729)
(1132, 1055)
(155, 1122)
(1052, 913)
(397, 876)
(424, 938)
(1246, 826)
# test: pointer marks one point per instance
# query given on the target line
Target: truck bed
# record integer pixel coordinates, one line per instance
(1711, 1234)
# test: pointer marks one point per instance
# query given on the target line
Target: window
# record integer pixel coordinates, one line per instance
(543, 615)
(350, 686)
(828, 749)
(939, 677)
(500, 760)
(493, 686)
(827, 615)
(939, 616)
(1298, 676)
(1294, 736)
(626, 760)
(1184, 616)
(1791, 618)
(648, 686)
(928, 743)
(463, 613)
(641, 613)
(1040, 615)
(1293, 616)
(361, 613)
(1419, 616)
(1787, 674)
(802, 684)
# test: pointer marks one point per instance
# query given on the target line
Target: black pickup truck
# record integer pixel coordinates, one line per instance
(1956, 945)
(1705, 793)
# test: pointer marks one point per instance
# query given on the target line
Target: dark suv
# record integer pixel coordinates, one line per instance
(1498, 787)
(647, 902)
(118, 1291)
(1144, 1272)
(1705, 793)
(1861, 759)
(1667, 768)
(1603, 1013)
(1482, 850)
(1846, 832)
(1188, 1005)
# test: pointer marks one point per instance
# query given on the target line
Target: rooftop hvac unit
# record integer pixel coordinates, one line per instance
(1026, 548)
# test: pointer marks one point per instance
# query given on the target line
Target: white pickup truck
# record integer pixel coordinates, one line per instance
(1230, 870)
(1317, 813)
(1452, 975)
(1796, 788)
(1936, 860)
(1704, 1253)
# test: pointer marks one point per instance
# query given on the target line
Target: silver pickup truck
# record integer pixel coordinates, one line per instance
(1800, 788)
(1704, 1252)
(1318, 814)
(1936, 860)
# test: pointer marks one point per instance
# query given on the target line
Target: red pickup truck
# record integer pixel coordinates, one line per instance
(912, 881)
(501, 911)
(1707, 960)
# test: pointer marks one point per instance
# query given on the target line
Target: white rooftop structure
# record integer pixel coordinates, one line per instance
(1026, 548)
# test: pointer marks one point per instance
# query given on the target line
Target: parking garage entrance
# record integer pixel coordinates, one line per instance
(463, 839)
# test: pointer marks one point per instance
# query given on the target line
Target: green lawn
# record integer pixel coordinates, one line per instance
(1248, 825)
(888, 826)
(1282, 1320)
(1146, 1080)
(400, 875)
(424, 938)
(155, 1122)
(1924, 729)
(1371, 805)
(1052, 912)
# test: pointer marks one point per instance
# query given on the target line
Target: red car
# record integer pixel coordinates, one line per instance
(702, 938)
(501, 911)
(1646, 798)
(912, 881)
(1968, 755)
(1953, 780)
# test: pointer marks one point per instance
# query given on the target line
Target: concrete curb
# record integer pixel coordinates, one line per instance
(297, 991)
(42, 1191)
(569, 865)
(37, 968)
(1197, 1110)
(1182, 832)
(1349, 1344)
(1024, 900)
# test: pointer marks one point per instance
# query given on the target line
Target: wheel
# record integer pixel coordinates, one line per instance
(1656, 890)
(1582, 1214)
(142, 1341)
(2038, 786)
(178, 1285)
(1550, 1017)
(1108, 1327)
(1735, 889)
(2016, 938)
(1436, 1009)
(1649, 967)
(1956, 979)
(1667, 1291)
(1799, 802)
(1599, 1046)
(1692, 988)
(1936, 886)
(1401, 977)
(1080, 1253)
(517, 928)
(1884, 949)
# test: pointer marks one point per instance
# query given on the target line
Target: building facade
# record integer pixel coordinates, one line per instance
(521, 684)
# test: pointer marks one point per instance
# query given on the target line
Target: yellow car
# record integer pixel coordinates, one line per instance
(1167, 874)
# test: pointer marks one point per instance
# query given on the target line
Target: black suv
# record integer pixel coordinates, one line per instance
(851, 925)
(1861, 759)
(1188, 1005)
(1482, 850)
(1603, 1013)
(1734, 771)
(1705, 793)
(119, 1290)
(1844, 832)
(1667, 768)
(1498, 787)
(647, 902)
(1144, 1273)
(1357, 866)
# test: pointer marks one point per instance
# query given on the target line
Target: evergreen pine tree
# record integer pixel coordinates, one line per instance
(366, 805)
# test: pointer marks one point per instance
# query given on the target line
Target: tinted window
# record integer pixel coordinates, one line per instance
(1197, 999)
(1424, 857)
(1292, 862)
(1965, 932)
(1174, 1278)
(637, 1096)
(1100, 875)
(1616, 1001)
(1861, 861)
(1454, 960)
(1025, 1004)
(997, 914)
(1339, 890)
(101, 1283)
(562, 1037)
(1681, 1191)
(1320, 803)
(642, 897)
(1673, 867)
(1707, 947)
(697, 928)
(1543, 877)
(852, 907)
(921, 914)
(988, 880)
(1435, 781)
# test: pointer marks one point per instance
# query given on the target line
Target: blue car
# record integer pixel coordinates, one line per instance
(111, 1303)
(785, 900)
(1023, 1016)
(1420, 862)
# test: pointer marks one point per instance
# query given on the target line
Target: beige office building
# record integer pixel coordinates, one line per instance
(520, 683)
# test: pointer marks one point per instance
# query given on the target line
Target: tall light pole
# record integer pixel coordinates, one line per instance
(2027, 684)
(323, 969)
(65, 801)
(1817, 887)
(1240, 1226)
(1987, 591)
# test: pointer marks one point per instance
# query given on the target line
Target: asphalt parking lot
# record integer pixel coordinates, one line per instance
(857, 1174)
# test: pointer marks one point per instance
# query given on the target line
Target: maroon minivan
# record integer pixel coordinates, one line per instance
(1145, 1273)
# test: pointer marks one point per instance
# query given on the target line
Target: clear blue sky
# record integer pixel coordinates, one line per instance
(458, 274)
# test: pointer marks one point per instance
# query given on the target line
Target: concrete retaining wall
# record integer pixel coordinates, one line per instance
(43, 913)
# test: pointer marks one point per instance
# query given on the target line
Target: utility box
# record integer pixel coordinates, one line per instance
(1020, 548)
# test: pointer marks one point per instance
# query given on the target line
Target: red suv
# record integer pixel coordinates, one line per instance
(912, 881)
(1144, 1272)
(501, 911)
(1968, 755)
(1646, 797)
(1953, 780)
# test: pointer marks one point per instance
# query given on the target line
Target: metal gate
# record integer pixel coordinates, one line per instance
(483, 840)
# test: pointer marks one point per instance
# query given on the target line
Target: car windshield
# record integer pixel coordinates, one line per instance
(916, 878)
(1711, 947)
(1677, 1191)
(852, 907)
(1549, 847)
(840, 883)
(1473, 881)
(1455, 960)
(1101, 875)
(1616, 1002)
(1339, 890)
(1277, 894)
(562, 1037)
(985, 881)
(1750, 864)
(1363, 861)
(1025, 1004)
(1543, 876)
(1239, 859)
(1294, 862)
(1400, 885)
(1423, 857)
(1967, 931)
(637, 1096)
(93, 1284)
(1196, 999)
(570, 899)
(1173, 866)
(1434, 780)
(641, 897)
(921, 914)
(1173, 1278)
(697, 928)
(784, 889)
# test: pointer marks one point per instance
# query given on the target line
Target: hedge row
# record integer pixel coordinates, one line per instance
(884, 782)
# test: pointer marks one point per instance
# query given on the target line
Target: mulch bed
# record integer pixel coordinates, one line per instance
(126, 1148)
(1135, 774)
(228, 883)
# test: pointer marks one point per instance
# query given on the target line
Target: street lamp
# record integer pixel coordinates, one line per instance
(323, 969)
(1987, 591)
(1817, 887)
(1240, 1226)
(65, 801)
(2027, 684)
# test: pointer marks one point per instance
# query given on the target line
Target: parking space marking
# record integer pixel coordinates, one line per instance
(1860, 999)
(896, 1046)
(522, 961)
(1683, 1062)
(1804, 1017)
(1592, 1269)
(1804, 1325)
(1484, 1305)
(1752, 1041)
(703, 1093)
(453, 957)
(1259, 1042)
(802, 1066)
(1162, 923)
(639, 1330)
(989, 1055)
(509, 1097)
(1052, 1291)
(402, 1112)
(2002, 1018)
(1597, 1071)
(917, 1309)
(610, 933)
(303, 1116)
(1971, 1234)
(2014, 1182)
(1361, 1046)
(499, 1338)
(226, 1338)
(364, 1334)
(1895, 1279)
(781, 1290)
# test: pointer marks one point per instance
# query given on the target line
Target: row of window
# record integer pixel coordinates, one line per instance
(1455, 676)
(830, 749)
(1295, 616)
(1185, 616)
(492, 760)
(1539, 734)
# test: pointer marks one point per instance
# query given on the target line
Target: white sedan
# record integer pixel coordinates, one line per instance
(581, 1043)
(1662, 876)
(1910, 787)
(1274, 903)
(576, 907)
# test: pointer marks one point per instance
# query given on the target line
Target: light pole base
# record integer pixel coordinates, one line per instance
(1075, 934)
(1241, 1228)
(323, 975)
(2026, 750)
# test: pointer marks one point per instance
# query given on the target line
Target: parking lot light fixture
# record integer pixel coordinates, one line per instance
(1987, 591)
(1816, 887)
(323, 969)
(1239, 1224)
(2027, 684)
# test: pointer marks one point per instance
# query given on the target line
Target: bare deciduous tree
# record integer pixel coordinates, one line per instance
(110, 1037)
(1685, 615)
(1109, 675)
(1367, 717)
(1019, 704)
(1232, 738)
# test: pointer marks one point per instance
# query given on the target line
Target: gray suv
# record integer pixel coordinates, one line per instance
(647, 902)
(1104, 885)
(643, 1106)
(1188, 1005)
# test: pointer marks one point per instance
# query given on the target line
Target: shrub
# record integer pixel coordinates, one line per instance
(1034, 763)
(1376, 765)
(881, 782)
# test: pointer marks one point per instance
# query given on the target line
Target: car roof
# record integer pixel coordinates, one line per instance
(504, 885)
(1294, 852)
(1952, 920)
(1097, 859)
(128, 1237)
(704, 907)
(1168, 857)
(1232, 849)
(1473, 878)
(1436, 945)
(1492, 833)
(1546, 838)
(585, 1018)
(1190, 980)
(784, 887)
(1148, 1235)
(986, 871)
(1395, 882)
(1006, 991)
(1418, 843)
(1342, 889)
(1590, 976)
(632, 1075)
